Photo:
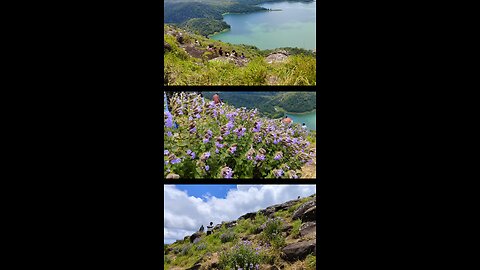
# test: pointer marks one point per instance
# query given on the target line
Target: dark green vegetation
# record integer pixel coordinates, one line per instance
(204, 26)
(270, 104)
(187, 63)
(180, 11)
(282, 236)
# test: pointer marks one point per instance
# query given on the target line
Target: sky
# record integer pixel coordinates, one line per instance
(187, 207)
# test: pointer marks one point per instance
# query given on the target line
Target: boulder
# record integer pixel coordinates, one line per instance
(249, 215)
(287, 228)
(308, 228)
(310, 214)
(195, 236)
(303, 208)
(278, 56)
(166, 46)
(298, 251)
(231, 224)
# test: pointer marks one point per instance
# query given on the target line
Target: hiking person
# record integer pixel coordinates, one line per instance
(216, 98)
(197, 42)
(287, 120)
(210, 228)
(220, 51)
(227, 54)
(304, 126)
(201, 229)
(242, 56)
(234, 53)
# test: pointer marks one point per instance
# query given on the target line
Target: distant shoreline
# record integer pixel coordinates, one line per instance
(307, 112)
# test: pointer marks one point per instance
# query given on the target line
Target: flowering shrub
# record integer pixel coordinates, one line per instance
(207, 140)
(273, 232)
(242, 256)
(227, 236)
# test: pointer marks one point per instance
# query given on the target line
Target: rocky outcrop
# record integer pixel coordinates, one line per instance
(303, 208)
(310, 214)
(298, 251)
(308, 228)
(277, 57)
(249, 215)
(194, 236)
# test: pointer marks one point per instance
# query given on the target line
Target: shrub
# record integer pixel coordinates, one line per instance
(311, 262)
(201, 246)
(243, 255)
(219, 141)
(185, 250)
(296, 227)
(227, 237)
(273, 233)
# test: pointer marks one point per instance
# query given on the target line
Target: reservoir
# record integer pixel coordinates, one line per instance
(310, 119)
(293, 26)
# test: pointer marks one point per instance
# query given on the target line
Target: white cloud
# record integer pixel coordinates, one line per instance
(184, 214)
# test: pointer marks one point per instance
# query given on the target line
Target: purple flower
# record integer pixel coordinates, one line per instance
(207, 168)
(249, 157)
(166, 152)
(219, 145)
(189, 151)
(169, 121)
(216, 150)
(166, 162)
(193, 155)
(209, 132)
(277, 157)
(295, 140)
(207, 154)
(177, 160)
(193, 130)
(278, 173)
(275, 141)
(260, 157)
(229, 125)
(169, 134)
(233, 149)
(190, 118)
(206, 140)
(198, 115)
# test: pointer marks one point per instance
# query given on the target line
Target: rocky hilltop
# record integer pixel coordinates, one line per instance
(282, 236)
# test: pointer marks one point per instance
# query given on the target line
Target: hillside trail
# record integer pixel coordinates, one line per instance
(197, 51)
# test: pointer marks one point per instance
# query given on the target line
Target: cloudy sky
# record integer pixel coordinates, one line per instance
(187, 207)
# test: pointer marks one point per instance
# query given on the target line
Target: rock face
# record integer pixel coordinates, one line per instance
(310, 214)
(299, 250)
(277, 57)
(308, 228)
(303, 208)
(195, 236)
(249, 215)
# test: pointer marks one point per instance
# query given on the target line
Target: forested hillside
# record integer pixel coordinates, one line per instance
(271, 104)
(180, 11)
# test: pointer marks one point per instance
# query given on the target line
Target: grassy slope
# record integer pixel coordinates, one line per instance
(181, 69)
(183, 254)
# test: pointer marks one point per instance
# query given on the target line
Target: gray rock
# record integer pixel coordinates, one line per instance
(308, 228)
(303, 208)
(166, 46)
(249, 215)
(195, 236)
(310, 214)
(299, 251)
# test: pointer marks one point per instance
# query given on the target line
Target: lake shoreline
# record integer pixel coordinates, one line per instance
(307, 112)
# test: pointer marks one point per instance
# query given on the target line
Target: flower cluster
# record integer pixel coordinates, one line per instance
(230, 142)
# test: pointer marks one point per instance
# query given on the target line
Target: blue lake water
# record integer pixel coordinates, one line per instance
(310, 119)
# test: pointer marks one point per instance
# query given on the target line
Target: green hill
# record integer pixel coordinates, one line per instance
(188, 63)
(281, 236)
